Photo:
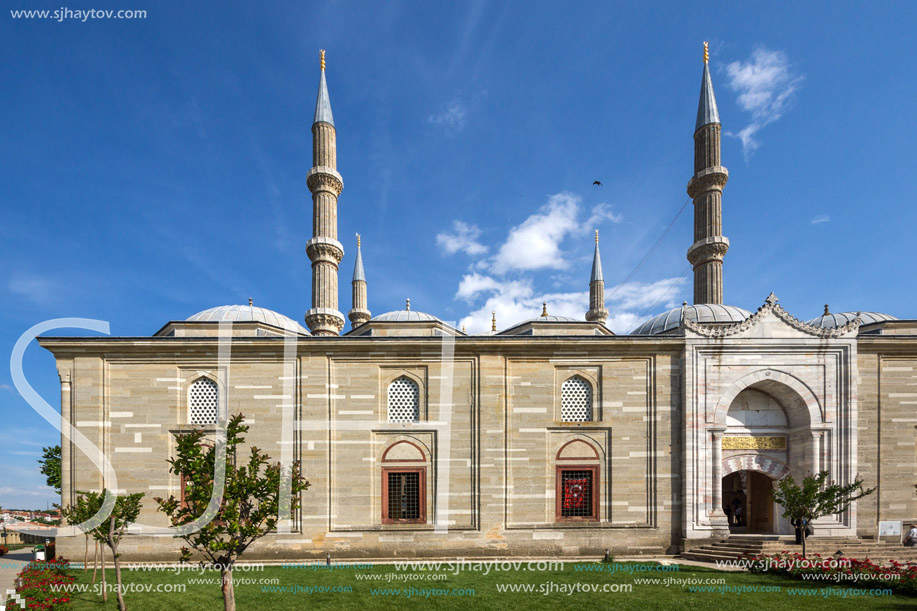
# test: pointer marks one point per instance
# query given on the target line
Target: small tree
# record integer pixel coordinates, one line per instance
(110, 531)
(813, 499)
(50, 463)
(76, 515)
(249, 506)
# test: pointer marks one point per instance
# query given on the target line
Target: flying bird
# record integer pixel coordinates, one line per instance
(597, 183)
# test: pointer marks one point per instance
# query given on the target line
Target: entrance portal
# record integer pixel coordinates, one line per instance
(748, 504)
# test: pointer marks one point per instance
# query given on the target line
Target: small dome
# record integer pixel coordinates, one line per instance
(405, 316)
(702, 312)
(248, 313)
(551, 318)
(833, 321)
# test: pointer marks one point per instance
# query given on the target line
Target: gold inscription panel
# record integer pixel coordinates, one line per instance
(754, 443)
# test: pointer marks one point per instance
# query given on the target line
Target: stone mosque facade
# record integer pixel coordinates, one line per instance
(553, 437)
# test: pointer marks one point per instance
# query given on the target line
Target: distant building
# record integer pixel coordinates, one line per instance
(552, 436)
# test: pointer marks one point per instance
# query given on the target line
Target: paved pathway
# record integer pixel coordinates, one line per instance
(11, 565)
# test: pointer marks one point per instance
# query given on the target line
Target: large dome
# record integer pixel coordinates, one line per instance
(833, 321)
(702, 312)
(405, 316)
(248, 313)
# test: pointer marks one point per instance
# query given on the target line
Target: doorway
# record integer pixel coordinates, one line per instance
(747, 502)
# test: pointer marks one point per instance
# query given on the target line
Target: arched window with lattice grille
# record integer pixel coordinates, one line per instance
(403, 400)
(576, 400)
(203, 401)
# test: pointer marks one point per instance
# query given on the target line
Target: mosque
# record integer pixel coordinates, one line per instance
(553, 436)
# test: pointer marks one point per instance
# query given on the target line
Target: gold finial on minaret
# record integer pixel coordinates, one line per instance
(323, 58)
(596, 236)
(493, 321)
(826, 311)
(544, 308)
(408, 304)
(706, 54)
(358, 240)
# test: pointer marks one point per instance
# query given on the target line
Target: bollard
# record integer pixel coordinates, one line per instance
(328, 559)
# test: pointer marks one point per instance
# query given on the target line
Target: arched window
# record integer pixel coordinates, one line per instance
(576, 400)
(203, 401)
(403, 401)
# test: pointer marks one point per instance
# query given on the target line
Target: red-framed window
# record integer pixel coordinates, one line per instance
(404, 493)
(577, 493)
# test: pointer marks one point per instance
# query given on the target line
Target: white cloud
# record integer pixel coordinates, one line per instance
(7, 388)
(535, 244)
(464, 239)
(765, 84)
(37, 289)
(473, 284)
(452, 117)
(821, 218)
(517, 301)
(600, 213)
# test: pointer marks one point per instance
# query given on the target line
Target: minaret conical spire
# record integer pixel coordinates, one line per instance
(706, 107)
(597, 311)
(360, 313)
(323, 102)
(706, 189)
(324, 250)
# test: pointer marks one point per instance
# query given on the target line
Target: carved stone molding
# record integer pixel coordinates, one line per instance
(708, 179)
(324, 323)
(324, 179)
(324, 251)
(770, 306)
(707, 252)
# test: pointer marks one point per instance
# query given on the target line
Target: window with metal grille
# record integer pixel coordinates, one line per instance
(576, 400)
(403, 401)
(403, 497)
(203, 401)
(576, 493)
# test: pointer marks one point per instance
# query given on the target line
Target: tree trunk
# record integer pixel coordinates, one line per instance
(95, 562)
(86, 554)
(114, 555)
(104, 589)
(229, 595)
(804, 540)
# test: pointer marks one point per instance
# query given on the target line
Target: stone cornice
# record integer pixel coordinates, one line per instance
(770, 307)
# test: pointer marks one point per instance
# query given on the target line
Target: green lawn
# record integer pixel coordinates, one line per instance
(486, 594)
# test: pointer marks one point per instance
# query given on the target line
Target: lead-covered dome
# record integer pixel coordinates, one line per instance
(248, 313)
(701, 312)
(833, 321)
(405, 316)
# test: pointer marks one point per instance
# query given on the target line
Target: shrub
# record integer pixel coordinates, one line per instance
(4, 550)
(36, 581)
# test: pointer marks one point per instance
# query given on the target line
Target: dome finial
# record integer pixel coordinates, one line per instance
(408, 304)
(827, 313)
(323, 57)
(706, 54)
(463, 328)
(250, 302)
(544, 308)
(493, 321)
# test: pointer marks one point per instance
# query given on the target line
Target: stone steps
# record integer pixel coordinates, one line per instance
(734, 548)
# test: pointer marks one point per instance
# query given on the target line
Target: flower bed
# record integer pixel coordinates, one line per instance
(4, 550)
(35, 583)
(900, 578)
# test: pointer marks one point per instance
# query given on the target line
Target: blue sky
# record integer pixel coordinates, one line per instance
(152, 168)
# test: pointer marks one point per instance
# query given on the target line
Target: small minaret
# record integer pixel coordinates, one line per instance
(323, 249)
(706, 189)
(360, 311)
(597, 311)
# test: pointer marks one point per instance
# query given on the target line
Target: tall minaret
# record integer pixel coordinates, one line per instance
(323, 249)
(706, 189)
(359, 313)
(597, 311)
